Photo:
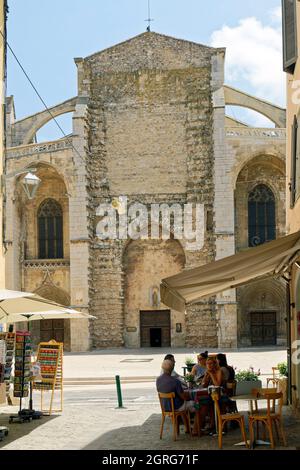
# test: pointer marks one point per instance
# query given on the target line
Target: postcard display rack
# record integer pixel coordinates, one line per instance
(8, 347)
(50, 357)
(3, 429)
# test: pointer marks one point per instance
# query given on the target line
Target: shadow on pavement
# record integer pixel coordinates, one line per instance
(146, 437)
(18, 430)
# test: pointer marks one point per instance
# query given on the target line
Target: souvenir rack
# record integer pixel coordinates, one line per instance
(22, 375)
(50, 357)
(9, 339)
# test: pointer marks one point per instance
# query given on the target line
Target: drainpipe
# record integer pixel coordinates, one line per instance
(289, 306)
(289, 341)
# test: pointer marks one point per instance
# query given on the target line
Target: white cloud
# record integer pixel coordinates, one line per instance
(254, 57)
(276, 14)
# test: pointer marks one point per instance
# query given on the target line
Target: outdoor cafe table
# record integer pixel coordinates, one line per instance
(250, 399)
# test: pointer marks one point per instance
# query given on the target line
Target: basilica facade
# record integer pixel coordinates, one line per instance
(149, 125)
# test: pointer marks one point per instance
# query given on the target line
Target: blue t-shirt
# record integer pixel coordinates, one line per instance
(167, 384)
(200, 371)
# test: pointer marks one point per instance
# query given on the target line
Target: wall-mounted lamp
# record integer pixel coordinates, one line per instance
(29, 183)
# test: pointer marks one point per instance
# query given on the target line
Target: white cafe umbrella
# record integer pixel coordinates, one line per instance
(17, 306)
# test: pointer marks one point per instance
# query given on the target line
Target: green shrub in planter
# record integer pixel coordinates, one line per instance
(190, 379)
(189, 362)
(283, 369)
(247, 380)
(282, 381)
(246, 375)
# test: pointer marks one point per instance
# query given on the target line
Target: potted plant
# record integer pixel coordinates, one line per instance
(189, 362)
(246, 380)
(282, 380)
(190, 379)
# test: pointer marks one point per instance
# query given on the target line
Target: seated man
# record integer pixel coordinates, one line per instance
(170, 357)
(165, 383)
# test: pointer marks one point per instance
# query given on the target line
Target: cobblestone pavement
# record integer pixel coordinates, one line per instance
(107, 428)
(90, 419)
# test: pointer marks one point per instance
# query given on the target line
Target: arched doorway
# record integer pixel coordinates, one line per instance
(262, 313)
(148, 323)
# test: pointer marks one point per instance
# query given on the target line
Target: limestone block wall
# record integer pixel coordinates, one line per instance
(150, 137)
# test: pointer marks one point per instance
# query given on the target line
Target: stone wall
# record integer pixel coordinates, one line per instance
(158, 88)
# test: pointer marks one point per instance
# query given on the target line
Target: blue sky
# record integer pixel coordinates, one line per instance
(47, 34)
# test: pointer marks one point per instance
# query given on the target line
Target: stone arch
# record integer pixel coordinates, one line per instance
(236, 97)
(54, 293)
(52, 186)
(145, 263)
(259, 169)
(22, 132)
(39, 165)
(264, 296)
(251, 157)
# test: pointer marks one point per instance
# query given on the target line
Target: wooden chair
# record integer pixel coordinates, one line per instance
(223, 419)
(256, 392)
(275, 378)
(173, 414)
(269, 416)
(231, 388)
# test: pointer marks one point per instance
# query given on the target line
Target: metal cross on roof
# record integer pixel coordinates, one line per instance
(149, 19)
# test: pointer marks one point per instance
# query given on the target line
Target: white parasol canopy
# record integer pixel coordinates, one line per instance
(16, 306)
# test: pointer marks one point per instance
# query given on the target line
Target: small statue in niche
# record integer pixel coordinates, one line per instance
(155, 301)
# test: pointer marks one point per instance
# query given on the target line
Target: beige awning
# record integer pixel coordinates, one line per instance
(268, 260)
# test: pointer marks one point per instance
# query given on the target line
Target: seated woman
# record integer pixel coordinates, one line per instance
(214, 374)
(227, 370)
(219, 376)
(199, 369)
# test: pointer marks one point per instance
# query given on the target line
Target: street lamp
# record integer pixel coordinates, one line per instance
(30, 182)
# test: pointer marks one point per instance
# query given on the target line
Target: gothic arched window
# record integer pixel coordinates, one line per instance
(261, 215)
(50, 230)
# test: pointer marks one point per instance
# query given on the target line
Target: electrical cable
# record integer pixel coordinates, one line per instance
(39, 96)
